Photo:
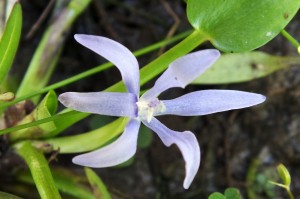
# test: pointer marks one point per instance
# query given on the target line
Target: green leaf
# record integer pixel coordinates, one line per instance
(242, 67)
(89, 140)
(4, 195)
(216, 195)
(240, 25)
(10, 40)
(125, 164)
(232, 193)
(66, 181)
(284, 174)
(45, 109)
(145, 137)
(99, 188)
(39, 169)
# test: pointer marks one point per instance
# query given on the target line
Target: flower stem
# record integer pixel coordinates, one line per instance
(291, 39)
(290, 194)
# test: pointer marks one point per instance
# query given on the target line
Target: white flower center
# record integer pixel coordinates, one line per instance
(147, 109)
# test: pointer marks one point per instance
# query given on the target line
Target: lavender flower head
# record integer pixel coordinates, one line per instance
(144, 109)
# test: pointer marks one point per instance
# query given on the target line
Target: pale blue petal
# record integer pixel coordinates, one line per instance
(210, 101)
(183, 71)
(187, 144)
(104, 103)
(118, 54)
(115, 153)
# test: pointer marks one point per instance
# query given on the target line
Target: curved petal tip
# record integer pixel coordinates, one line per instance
(115, 153)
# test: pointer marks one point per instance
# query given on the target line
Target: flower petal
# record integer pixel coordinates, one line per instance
(104, 103)
(118, 54)
(115, 153)
(187, 143)
(183, 71)
(210, 101)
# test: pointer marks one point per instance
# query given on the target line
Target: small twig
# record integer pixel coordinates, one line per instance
(40, 20)
(174, 27)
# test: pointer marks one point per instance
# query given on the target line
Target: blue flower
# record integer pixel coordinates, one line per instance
(144, 109)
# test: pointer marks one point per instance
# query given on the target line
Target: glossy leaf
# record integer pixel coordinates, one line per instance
(232, 193)
(216, 195)
(240, 25)
(10, 40)
(242, 67)
(99, 188)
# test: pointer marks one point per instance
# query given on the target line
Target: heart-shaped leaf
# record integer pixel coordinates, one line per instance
(230, 193)
(216, 195)
(240, 25)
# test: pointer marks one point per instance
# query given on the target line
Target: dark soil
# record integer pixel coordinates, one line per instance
(238, 148)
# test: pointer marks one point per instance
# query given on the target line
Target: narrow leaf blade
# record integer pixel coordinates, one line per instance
(99, 188)
(10, 40)
(39, 169)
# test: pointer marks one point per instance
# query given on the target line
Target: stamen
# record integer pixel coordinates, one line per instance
(147, 109)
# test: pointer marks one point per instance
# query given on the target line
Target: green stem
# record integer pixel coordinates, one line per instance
(66, 182)
(93, 71)
(42, 121)
(39, 169)
(290, 194)
(290, 38)
(46, 56)
(46, 108)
